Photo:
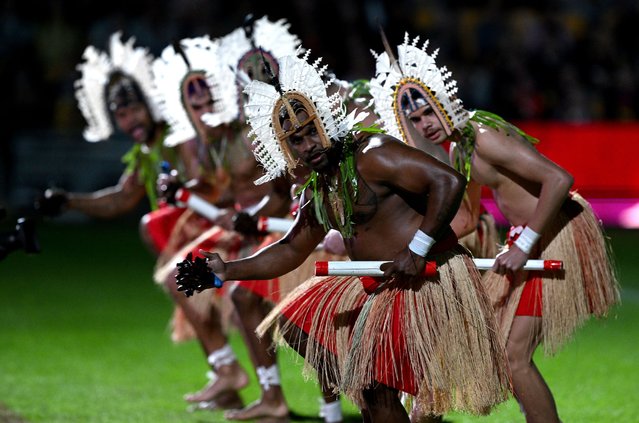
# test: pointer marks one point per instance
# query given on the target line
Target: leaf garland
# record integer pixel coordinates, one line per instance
(147, 163)
(465, 148)
(341, 189)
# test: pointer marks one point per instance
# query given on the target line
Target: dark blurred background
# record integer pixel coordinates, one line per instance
(567, 61)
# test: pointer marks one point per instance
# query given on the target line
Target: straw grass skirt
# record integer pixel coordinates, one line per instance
(434, 338)
(191, 234)
(587, 285)
(483, 242)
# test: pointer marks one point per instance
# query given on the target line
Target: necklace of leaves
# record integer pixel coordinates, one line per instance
(466, 147)
(340, 188)
(219, 155)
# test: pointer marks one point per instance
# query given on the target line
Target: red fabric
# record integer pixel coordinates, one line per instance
(160, 223)
(267, 289)
(397, 374)
(530, 303)
(387, 373)
(306, 302)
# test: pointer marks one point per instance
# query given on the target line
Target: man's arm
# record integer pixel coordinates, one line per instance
(277, 259)
(407, 170)
(109, 202)
(467, 217)
(544, 179)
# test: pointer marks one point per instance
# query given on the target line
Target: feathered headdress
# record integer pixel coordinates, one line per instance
(192, 58)
(97, 69)
(244, 50)
(297, 81)
(402, 85)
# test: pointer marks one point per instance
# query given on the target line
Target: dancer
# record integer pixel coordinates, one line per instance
(188, 78)
(434, 338)
(548, 221)
(115, 90)
(391, 90)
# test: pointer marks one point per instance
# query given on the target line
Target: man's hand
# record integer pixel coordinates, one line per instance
(167, 185)
(195, 276)
(510, 262)
(405, 263)
(225, 219)
(51, 203)
(215, 264)
(245, 224)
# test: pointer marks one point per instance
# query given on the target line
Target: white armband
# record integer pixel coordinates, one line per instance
(421, 243)
(526, 240)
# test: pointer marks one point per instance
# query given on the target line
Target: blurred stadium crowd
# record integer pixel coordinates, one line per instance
(566, 60)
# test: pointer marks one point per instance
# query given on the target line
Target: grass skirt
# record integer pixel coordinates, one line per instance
(483, 242)
(305, 271)
(587, 285)
(434, 338)
(192, 233)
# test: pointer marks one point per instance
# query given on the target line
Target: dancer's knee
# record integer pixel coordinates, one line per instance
(245, 301)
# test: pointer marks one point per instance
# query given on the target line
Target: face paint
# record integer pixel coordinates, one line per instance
(123, 91)
(410, 97)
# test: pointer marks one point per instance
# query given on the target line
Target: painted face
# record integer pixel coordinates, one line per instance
(416, 106)
(198, 99)
(253, 67)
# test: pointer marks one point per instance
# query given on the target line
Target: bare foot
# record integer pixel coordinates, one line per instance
(416, 417)
(229, 400)
(228, 378)
(260, 411)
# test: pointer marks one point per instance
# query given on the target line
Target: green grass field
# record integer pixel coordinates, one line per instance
(83, 338)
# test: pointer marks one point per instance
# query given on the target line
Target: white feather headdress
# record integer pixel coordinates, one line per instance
(96, 71)
(297, 78)
(170, 72)
(273, 38)
(415, 68)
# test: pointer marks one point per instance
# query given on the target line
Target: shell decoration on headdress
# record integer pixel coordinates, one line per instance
(301, 81)
(197, 58)
(96, 70)
(237, 51)
(414, 71)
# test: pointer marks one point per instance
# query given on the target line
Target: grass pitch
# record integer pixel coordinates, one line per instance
(83, 338)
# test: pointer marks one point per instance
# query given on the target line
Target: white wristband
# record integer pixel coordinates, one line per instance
(421, 243)
(526, 240)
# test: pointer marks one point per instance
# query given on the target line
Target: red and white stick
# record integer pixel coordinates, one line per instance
(273, 224)
(372, 268)
(197, 204)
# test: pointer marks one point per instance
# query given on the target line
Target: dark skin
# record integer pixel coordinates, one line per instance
(135, 121)
(397, 183)
(225, 183)
(226, 179)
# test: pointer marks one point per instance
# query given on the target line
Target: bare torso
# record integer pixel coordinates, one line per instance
(241, 168)
(380, 214)
(516, 196)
